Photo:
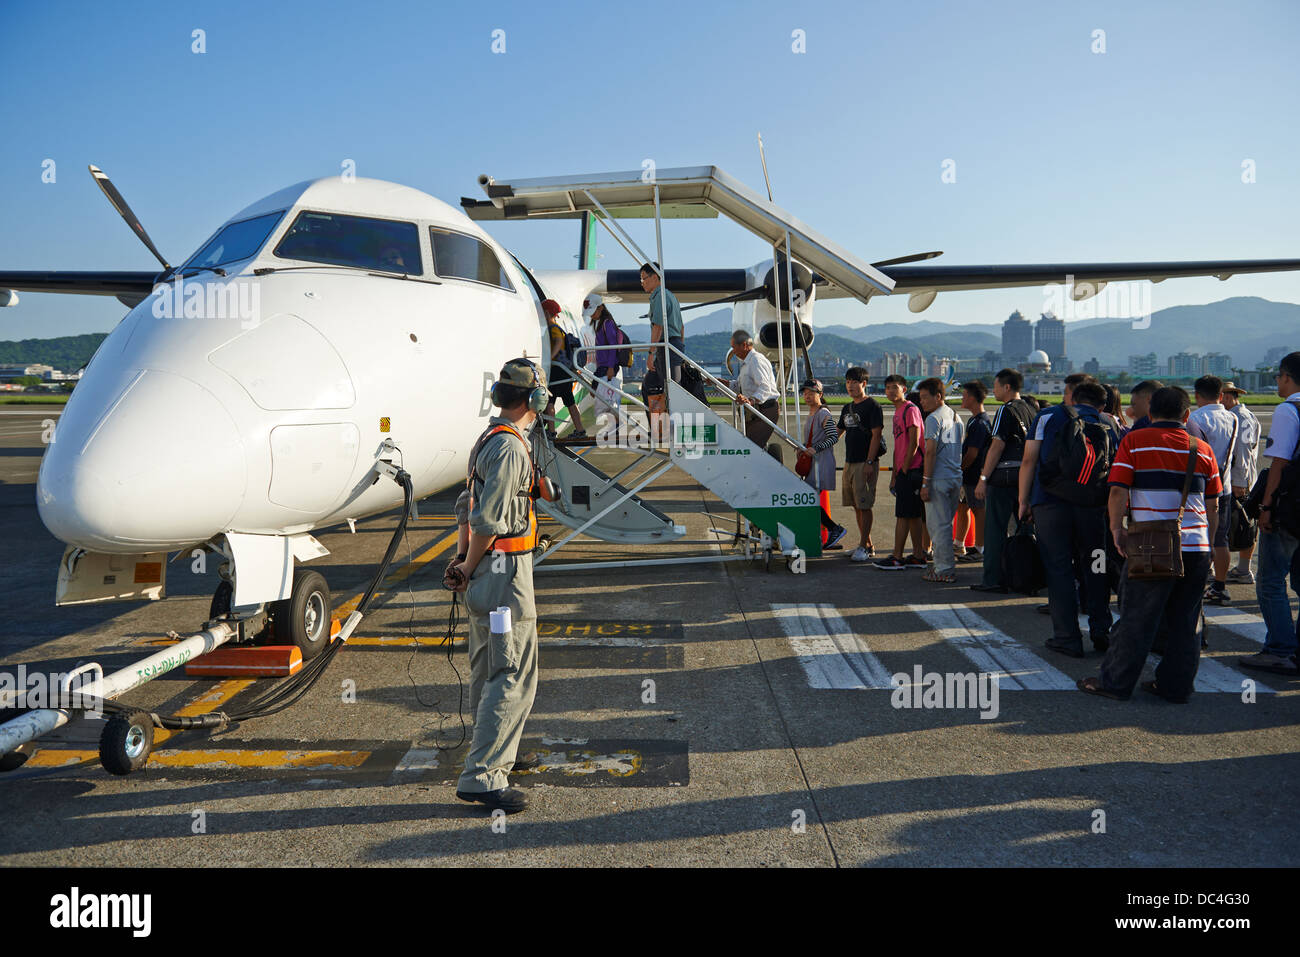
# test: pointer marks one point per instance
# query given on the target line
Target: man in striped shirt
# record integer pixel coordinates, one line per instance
(1147, 477)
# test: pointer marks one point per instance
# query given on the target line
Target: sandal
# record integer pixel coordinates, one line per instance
(1093, 686)
(933, 576)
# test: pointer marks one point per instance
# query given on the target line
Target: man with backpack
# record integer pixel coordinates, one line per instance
(1279, 534)
(1063, 481)
(999, 476)
(1245, 470)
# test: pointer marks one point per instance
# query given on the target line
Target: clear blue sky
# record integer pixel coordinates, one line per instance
(1061, 154)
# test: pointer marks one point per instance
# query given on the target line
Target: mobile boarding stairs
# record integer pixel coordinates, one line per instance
(777, 511)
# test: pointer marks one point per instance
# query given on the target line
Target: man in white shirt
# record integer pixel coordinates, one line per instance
(757, 388)
(1245, 469)
(1277, 546)
(1212, 423)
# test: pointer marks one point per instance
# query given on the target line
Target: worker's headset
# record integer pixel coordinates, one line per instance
(522, 374)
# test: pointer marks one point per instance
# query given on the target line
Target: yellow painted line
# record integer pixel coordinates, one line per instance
(400, 574)
(402, 640)
(215, 759)
(211, 700)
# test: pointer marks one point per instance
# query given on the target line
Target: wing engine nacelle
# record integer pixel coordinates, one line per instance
(767, 317)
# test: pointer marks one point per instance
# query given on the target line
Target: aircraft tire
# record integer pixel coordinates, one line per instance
(223, 600)
(125, 742)
(303, 619)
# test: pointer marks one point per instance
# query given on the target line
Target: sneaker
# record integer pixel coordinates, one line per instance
(510, 800)
(834, 538)
(890, 563)
(1243, 575)
(1216, 594)
(860, 554)
(1263, 661)
(911, 561)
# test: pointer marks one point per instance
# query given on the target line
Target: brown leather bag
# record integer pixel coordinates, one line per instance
(1155, 549)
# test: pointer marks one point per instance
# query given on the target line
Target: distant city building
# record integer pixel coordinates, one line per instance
(1017, 338)
(1092, 366)
(1062, 363)
(26, 369)
(1037, 362)
(1216, 363)
(1144, 367)
(991, 361)
(1185, 365)
(1049, 336)
(1275, 355)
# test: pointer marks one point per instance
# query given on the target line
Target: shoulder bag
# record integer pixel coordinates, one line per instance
(1155, 549)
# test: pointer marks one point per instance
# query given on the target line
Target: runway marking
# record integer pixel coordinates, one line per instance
(829, 653)
(992, 650)
(217, 759)
(1238, 622)
(430, 552)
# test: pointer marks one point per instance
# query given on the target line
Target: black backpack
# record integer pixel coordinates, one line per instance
(1079, 467)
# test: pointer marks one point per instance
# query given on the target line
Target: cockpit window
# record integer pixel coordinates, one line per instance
(236, 241)
(381, 245)
(457, 256)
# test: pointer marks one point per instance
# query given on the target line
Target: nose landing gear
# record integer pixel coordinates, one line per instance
(301, 620)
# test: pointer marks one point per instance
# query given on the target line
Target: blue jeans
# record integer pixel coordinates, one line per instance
(1176, 601)
(1275, 551)
(1070, 537)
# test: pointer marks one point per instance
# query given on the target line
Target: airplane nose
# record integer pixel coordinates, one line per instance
(163, 468)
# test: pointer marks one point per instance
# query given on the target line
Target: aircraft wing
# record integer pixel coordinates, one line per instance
(923, 279)
(129, 287)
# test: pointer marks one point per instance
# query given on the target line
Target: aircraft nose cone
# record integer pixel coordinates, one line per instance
(163, 468)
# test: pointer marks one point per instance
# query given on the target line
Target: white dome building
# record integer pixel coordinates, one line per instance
(1038, 362)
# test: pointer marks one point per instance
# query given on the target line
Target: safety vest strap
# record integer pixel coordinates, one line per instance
(525, 541)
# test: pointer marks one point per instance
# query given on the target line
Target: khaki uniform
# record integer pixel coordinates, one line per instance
(503, 669)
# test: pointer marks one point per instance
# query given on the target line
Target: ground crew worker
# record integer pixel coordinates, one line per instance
(497, 571)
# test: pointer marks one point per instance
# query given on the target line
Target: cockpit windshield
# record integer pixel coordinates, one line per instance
(235, 242)
(382, 245)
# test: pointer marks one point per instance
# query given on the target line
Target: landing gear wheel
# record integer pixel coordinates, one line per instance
(767, 559)
(303, 619)
(223, 599)
(126, 741)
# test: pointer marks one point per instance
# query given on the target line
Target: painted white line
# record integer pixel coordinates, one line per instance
(831, 655)
(993, 651)
(1238, 622)
(418, 759)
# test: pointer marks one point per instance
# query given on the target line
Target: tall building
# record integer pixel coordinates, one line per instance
(1092, 366)
(1275, 355)
(1216, 363)
(1049, 335)
(1017, 339)
(1185, 365)
(1147, 366)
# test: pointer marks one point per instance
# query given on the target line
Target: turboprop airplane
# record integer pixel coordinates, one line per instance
(254, 393)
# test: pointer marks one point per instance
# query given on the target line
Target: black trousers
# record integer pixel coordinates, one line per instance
(1072, 541)
(1176, 602)
(756, 430)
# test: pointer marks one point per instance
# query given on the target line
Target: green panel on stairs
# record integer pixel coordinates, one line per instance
(804, 520)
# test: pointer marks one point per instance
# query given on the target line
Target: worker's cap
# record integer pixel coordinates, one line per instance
(590, 305)
(1234, 389)
(523, 374)
(551, 308)
(813, 384)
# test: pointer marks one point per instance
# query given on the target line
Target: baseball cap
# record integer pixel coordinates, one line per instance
(590, 305)
(522, 373)
(813, 384)
(550, 307)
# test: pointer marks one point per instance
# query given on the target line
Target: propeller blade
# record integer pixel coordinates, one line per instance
(763, 158)
(914, 258)
(124, 211)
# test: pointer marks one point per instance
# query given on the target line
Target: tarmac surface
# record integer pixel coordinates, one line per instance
(698, 714)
